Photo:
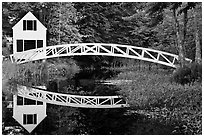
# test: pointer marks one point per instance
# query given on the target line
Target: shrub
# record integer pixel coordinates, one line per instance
(188, 74)
(174, 104)
(196, 72)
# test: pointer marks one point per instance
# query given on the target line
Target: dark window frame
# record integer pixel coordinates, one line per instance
(39, 103)
(19, 45)
(39, 44)
(24, 45)
(20, 101)
(30, 25)
(29, 119)
(29, 44)
(35, 25)
(29, 101)
(24, 24)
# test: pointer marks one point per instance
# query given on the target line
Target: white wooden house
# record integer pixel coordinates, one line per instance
(28, 33)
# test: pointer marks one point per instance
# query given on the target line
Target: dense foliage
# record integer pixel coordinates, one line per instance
(152, 25)
(188, 74)
(59, 19)
(153, 94)
(173, 27)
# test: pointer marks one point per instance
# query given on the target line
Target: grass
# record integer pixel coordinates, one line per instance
(156, 96)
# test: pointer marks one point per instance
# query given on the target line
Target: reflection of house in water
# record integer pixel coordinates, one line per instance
(29, 113)
(29, 33)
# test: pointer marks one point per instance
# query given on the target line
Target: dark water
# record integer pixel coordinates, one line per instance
(62, 120)
(69, 120)
(90, 82)
(112, 121)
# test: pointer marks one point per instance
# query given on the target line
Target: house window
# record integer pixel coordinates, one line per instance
(39, 103)
(39, 43)
(19, 100)
(29, 44)
(26, 101)
(30, 25)
(23, 45)
(29, 119)
(19, 45)
(29, 101)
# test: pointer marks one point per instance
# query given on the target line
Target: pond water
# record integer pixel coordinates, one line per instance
(112, 121)
(63, 120)
(84, 120)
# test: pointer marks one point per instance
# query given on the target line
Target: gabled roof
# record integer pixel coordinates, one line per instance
(28, 16)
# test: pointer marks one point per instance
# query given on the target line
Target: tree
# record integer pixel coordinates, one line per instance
(59, 18)
(153, 11)
(198, 58)
(144, 35)
(12, 12)
(38, 74)
(61, 23)
(156, 10)
(103, 23)
(178, 34)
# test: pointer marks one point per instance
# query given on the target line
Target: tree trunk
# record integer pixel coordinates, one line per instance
(179, 41)
(185, 20)
(198, 58)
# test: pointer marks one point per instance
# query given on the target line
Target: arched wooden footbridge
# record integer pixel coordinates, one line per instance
(29, 115)
(82, 49)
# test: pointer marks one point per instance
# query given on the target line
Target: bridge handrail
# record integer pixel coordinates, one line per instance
(42, 53)
(108, 44)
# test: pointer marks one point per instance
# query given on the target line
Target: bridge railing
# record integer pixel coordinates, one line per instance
(125, 51)
(29, 55)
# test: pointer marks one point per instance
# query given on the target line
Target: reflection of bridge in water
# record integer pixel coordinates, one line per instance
(72, 100)
(82, 49)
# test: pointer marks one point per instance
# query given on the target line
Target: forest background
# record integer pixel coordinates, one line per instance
(174, 27)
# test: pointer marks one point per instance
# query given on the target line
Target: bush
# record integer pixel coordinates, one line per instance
(196, 72)
(177, 105)
(188, 74)
(145, 89)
